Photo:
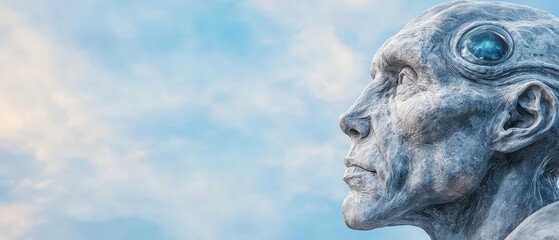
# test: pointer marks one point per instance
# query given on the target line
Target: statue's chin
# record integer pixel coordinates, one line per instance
(359, 213)
(362, 212)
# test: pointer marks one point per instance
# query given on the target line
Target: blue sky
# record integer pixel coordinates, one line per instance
(187, 119)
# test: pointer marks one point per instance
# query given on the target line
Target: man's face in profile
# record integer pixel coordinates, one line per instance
(416, 136)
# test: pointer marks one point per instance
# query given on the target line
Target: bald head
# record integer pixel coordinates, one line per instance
(432, 39)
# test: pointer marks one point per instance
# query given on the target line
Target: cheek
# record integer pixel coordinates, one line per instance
(427, 118)
(449, 172)
(448, 140)
(462, 169)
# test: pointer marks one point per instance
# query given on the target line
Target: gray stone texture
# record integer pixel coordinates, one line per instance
(458, 133)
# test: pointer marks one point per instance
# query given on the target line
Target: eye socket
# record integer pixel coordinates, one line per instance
(407, 76)
(486, 45)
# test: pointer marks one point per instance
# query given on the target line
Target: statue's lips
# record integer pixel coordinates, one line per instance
(358, 177)
(354, 175)
(350, 162)
(354, 170)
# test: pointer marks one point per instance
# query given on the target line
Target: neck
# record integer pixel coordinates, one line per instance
(502, 201)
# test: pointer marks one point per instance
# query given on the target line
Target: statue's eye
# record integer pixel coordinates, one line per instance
(407, 76)
(486, 45)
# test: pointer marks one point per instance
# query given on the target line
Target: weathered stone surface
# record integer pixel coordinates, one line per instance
(457, 133)
(540, 225)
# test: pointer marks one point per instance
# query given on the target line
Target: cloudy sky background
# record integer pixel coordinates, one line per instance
(166, 120)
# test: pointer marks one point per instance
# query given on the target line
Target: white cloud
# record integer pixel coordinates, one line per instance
(16, 219)
(87, 169)
(43, 112)
(45, 116)
(327, 67)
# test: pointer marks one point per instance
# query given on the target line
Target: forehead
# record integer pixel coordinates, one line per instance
(429, 40)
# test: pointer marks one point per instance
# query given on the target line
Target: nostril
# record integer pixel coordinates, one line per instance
(354, 133)
(356, 128)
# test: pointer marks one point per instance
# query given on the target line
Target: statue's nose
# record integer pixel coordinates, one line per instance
(355, 127)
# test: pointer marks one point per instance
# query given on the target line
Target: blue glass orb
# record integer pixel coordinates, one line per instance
(486, 45)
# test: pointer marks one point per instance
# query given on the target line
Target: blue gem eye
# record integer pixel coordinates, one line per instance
(486, 45)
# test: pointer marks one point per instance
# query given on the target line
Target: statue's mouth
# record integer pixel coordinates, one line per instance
(356, 170)
(357, 176)
(360, 179)
(352, 163)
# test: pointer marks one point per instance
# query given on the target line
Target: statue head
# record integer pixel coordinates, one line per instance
(465, 95)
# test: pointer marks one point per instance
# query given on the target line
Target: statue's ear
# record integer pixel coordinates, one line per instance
(530, 113)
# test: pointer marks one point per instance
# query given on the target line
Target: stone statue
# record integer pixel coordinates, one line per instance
(458, 131)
